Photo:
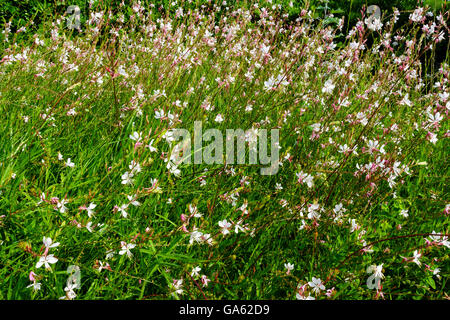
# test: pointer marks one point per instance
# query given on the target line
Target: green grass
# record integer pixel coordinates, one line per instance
(82, 94)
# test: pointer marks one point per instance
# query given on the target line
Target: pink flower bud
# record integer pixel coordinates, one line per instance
(31, 276)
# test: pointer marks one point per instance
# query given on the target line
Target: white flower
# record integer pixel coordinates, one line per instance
(194, 211)
(178, 286)
(354, 226)
(205, 280)
(346, 149)
(46, 260)
(416, 16)
(69, 289)
(35, 285)
(315, 127)
(122, 209)
(89, 226)
(339, 208)
(374, 24)
(442, 240)
(90, 209)
(374, 280)
(136, 136)
(289, 267)
(150, 146)
(69, 163)
(48, 243)
(405, 101)
(125, 248)
(305, 177)
(225, 225)
(207, 238)
(168, 136)
(436, 272)
(372, 145)
(432, 137)
(404, 213)
(61, 205)
(309, 181)
(39, 42)
(313, 211)
(126, 178)
(196, 236)
(41, 199)
(219, 118)
(391, 181)
(173, 169)
(416, 257)
(109, 254)
(103, 266)
(134, 167)
(133, 200)
(159, 114)
(328, 87)
(195, 271)
(269, 84)
(238, 227)
(122, 71)
(316, 285)
(376, 270)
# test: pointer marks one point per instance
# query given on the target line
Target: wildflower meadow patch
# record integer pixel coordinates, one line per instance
(214, 150)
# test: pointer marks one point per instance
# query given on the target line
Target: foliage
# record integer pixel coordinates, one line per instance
(87, 176)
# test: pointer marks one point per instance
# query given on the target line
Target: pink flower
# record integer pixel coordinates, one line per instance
(205, 280)
(32, 275)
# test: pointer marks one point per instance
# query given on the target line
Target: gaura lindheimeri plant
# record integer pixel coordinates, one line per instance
(89, 118)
